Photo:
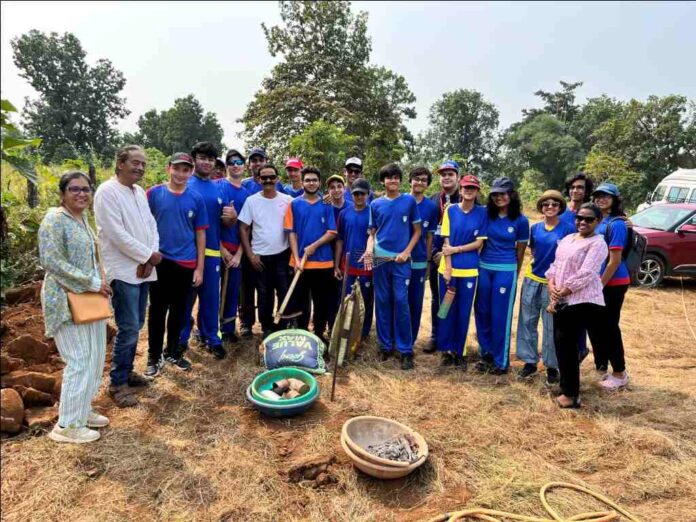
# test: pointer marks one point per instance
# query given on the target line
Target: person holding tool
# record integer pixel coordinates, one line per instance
(464, 228)
(311, 227)
(395, 227)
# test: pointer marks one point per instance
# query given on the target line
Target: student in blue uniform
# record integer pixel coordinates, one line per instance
(181, 219)
(294, 186)
(395, 228)
(534, 296)
(353, 171)
(499, 265)
(218, 202)
(608, 348)
(258, 159)
(464, 228)
(230, 248)
(420, 179)
(352, 237)
(335, 196)
(311, 226)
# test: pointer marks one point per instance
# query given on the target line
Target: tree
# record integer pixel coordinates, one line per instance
(323, 145)
(462, 122)
(605, 167)
(78, 104)
(560, 104)
(591, 116)
(324, 74)
(179, 128)
(544, 144)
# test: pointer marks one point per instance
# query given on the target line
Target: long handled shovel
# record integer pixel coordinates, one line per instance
(284, 304)
(337, 349)
(223, 298)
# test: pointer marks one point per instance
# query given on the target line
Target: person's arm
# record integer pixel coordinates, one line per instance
(406, 254)
(244, 236)
(200, 257)
(428, 253)
(229, 216)
(107, 213)
(326, 237)
(448, 263)
(588, 271)
(338, 254)
(612, 265)
(521, 247)
(616, 235)
(367, 257)
(294, 249)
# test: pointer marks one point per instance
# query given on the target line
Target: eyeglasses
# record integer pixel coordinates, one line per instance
(586, 219)
(236, 162)
(77, 190)
(602, 195)
(553, 204)
(420, 180)
(268, 178)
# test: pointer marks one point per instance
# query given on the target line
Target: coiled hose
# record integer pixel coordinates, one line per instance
(492, 515)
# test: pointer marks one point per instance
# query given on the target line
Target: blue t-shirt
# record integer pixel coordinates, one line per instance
(392, 218)
(463, 228)
(215, 196)
(501, 246)
(229, 236)
(338, 210)
(615, 234)
(291, 191)
(428, 213)
(178, 217)
(352, 230)
(543, 243)
(252, 186)
(349, 196)
(310, 221)
(568, 217)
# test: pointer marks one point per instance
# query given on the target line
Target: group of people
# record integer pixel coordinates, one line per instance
(234, 243)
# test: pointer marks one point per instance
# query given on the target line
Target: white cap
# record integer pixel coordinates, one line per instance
(354, 161)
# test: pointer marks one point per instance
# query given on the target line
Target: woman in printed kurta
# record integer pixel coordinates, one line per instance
(67, 252)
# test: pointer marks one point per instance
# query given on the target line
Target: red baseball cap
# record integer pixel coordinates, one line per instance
(469, 180)
(294, 163)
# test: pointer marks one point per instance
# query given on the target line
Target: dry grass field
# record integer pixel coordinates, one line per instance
(195, 450)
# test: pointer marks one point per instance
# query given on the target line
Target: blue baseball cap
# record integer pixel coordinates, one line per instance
(502, 184)
(607, 188)
(258, 151)
(449, 165)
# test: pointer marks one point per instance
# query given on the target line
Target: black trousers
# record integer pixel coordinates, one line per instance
(607, 343)
(273, 282)
(313, 288)
(247, 295)
(567, 325)
(168, 297)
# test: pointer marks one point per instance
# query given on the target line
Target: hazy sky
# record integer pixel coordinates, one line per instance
(217, 51)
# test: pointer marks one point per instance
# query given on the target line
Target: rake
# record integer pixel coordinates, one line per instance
(376, 260)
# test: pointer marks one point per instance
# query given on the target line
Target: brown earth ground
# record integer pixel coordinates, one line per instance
(195, 450)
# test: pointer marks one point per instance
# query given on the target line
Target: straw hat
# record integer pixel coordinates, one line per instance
(552, 194)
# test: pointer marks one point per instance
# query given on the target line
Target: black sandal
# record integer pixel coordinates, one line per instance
(573, 405)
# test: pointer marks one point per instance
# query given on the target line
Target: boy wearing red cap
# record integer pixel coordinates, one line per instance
(294, 188)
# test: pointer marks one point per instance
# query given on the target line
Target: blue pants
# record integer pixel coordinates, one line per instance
(534, 299)
(229, 312)
(392, 312)
(368, 293)
(416, 292)
(452, 331)
(493, 307)
(129, 302)
(208, 306)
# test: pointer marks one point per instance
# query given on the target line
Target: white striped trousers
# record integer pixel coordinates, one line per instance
(83, 349)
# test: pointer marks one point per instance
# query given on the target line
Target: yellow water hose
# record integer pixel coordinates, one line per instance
(492, 515)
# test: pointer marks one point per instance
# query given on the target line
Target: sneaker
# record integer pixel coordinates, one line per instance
(498, 371)
(74, 435)
(123, 396)
(527, 371)
(136, 379)
(153, 369)
(552, 376)
(179, 362)
(484, 366)
(218, 351)
(431, 347)
(460, 362)
(613, 383)
(407, 362)
(95, 420)
(447, 359)
(245, 331)
(384, 355)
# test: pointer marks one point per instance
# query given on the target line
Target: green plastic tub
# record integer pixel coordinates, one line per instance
(265, 380)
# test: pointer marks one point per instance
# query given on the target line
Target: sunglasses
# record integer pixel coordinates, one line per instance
(268, 178)
(353, 171)
(553, 204)
(586, 219)
(236, 162)
(77, 190)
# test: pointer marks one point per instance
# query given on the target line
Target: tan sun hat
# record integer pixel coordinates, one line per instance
(552, 194)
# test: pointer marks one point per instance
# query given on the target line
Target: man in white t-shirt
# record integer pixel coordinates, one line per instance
(268, 252)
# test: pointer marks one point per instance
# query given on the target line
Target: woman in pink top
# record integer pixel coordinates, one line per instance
(575, 289)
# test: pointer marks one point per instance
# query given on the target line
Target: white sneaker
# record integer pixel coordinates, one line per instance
(74, 435)
(94, 420)
(613, 383)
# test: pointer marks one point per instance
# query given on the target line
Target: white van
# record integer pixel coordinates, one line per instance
(678, 187)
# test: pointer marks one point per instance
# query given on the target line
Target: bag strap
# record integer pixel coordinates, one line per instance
(95, 242)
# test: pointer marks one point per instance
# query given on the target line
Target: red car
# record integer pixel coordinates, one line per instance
(671, 233)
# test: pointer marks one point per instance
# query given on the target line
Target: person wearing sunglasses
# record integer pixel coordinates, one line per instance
(608, 347)
(268, 250)
(353, 170)
(534, 296)
(230, 249)
(576, 298)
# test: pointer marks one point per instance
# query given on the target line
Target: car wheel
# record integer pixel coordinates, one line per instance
(651, 271)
